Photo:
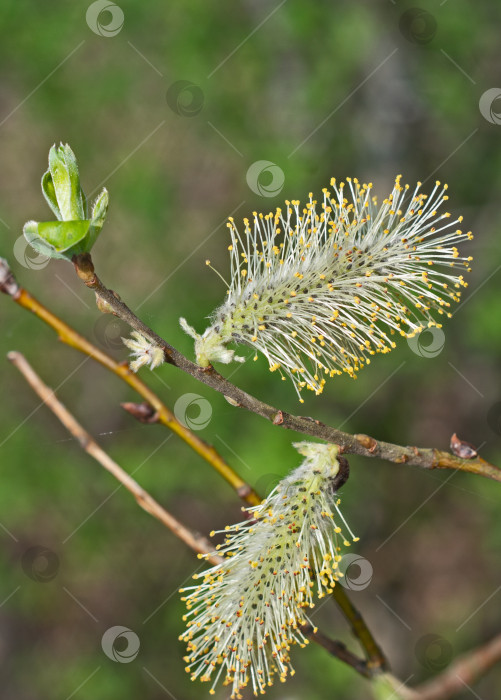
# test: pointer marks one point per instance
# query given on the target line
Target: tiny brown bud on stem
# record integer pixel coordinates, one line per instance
(368, 442)
(279, 418)
(84, 268)
(8, 283)
(143, 412)
(462, 449)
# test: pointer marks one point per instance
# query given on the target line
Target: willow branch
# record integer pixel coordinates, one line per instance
(426, 458)
(158, 413)
(195, 541)
(463, 672)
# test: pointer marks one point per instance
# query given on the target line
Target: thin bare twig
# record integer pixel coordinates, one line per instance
(195, 541)
(463, 672)
(426, 458)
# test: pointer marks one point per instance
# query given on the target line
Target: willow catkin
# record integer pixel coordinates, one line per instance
(319, 290)
(248, 611)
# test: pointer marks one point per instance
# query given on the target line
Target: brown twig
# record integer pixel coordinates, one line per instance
(426, 458)
(195, 541)
(463, 672)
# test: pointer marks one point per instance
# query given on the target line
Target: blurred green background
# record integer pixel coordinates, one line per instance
(320, 89)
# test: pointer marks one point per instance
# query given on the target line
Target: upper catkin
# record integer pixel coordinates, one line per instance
(318, 290)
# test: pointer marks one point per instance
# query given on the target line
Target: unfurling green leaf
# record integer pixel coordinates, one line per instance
(73, 233)
(49, 193)
(63, 171)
